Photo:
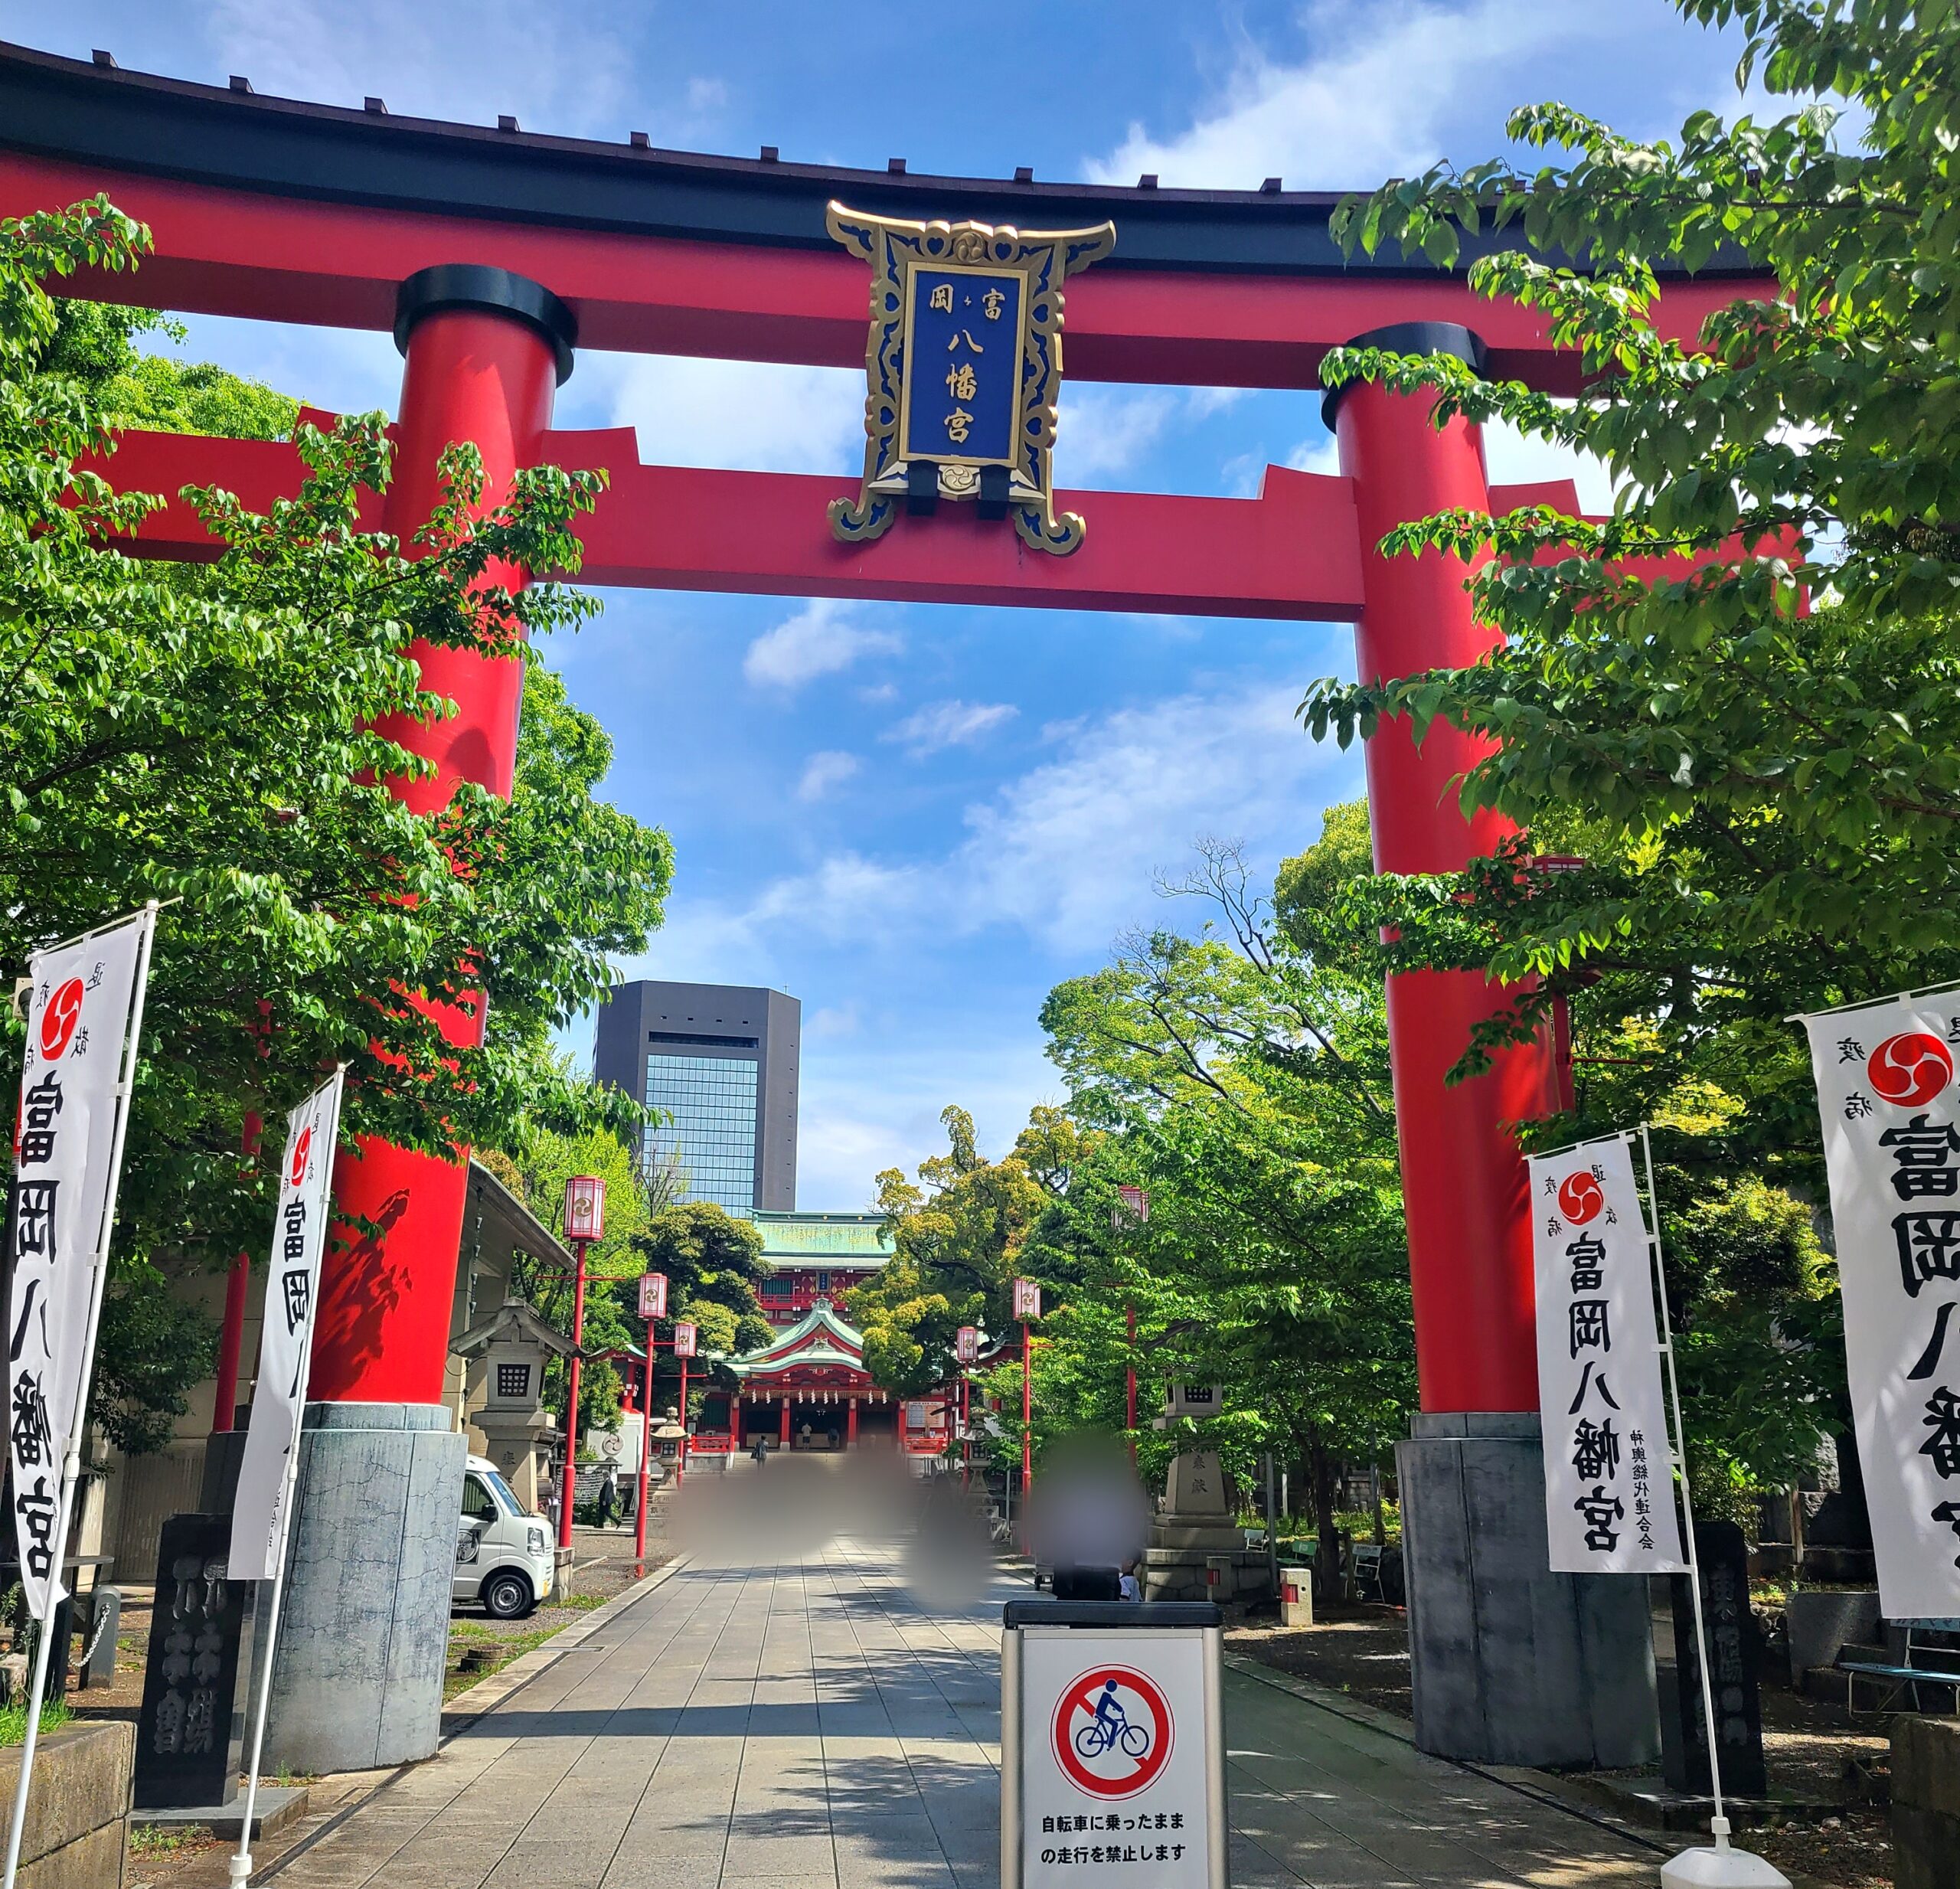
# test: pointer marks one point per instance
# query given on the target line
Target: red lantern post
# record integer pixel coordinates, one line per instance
(585, 1221)
(966, 1353)
(1026, 1306)
(653, 1305)
(1135, 1205)
(684, 1349)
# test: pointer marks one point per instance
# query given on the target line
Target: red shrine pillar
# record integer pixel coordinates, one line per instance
(485, 351)
(1509, 1663)
(1462, 1178)
(358, 1679)
(785, 1420)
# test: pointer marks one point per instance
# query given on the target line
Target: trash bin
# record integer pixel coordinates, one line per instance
(1296, 1597)
(1112, 1743)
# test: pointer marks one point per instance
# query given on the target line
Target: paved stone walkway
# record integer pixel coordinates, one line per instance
(808, 1725)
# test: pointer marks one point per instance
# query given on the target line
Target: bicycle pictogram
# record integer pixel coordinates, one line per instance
(1112, 1731)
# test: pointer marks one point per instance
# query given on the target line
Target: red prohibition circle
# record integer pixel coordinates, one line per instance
(1909, 1069)
(1581, 1197)
(1076, 1722)
(58, 1020)
(296, 1174)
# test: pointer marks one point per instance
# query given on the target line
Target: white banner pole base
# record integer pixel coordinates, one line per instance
(1720, 1867)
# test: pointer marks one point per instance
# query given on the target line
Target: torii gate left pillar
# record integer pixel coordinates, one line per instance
(359, 1680)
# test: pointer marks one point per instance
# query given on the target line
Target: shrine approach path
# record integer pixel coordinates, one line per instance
(804, 1721)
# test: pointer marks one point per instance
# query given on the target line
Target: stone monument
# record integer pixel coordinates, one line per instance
(1197, 1551)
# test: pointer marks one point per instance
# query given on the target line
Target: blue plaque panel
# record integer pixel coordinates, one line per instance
(962, 370)
(963, 365)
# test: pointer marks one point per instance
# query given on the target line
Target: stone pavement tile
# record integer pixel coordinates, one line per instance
(649, 1869)
(755, 1853)
(667, 1830)
(827, 1880)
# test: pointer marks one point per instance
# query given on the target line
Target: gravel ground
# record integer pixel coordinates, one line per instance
(1808, 1745)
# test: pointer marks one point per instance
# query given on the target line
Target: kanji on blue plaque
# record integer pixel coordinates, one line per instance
(962, 381)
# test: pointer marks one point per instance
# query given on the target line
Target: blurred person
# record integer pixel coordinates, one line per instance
(1088, 1518)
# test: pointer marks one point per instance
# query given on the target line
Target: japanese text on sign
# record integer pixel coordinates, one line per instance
(962, 374)
(80, 1000)
(265, 1474)
(1609, 1490)
(1113, 1759)
(1891, 1119)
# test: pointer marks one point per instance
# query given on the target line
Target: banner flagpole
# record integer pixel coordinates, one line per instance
(241, 1860)
(1722, 1867)
(71, 1460)
(1718, 1823)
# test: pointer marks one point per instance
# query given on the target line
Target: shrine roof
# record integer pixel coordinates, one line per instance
(822, 1336)
(97, 114)
(794, 1239)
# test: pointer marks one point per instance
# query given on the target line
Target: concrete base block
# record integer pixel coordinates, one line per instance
(1925, 1802)
(365, 1628)
(278, 1807)
(1510, 1663)
(76, 1831)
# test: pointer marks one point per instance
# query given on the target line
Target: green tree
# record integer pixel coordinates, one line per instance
(713, 1265)
(1241, 1076)
(206, 735)
(1732, 702)
(956, 1235)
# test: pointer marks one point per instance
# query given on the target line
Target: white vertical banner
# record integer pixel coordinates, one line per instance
(82, 1001)
(286, 1336)
(1891, 1117)
(1609, 1471)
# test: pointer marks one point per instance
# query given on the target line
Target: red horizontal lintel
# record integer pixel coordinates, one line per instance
(1290, 552)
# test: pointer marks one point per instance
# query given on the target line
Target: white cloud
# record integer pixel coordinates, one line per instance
(1103, 431)
(467, 59)
(1065, 852)
(949, 724)
(875, 1103)
(820, 640)
(834, 1020)
(1374, 104)
(742, 416)
(823, 771)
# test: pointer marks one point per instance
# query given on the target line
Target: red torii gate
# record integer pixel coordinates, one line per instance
(277, 210)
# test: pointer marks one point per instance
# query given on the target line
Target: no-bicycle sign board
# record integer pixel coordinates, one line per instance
(1115, 1764)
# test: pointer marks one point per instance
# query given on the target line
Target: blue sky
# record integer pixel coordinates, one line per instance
(918, 819)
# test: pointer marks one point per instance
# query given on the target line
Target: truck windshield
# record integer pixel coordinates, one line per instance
(507, 1498)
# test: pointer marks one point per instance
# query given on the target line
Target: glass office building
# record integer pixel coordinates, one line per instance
(709, 1133)
(720, 1063)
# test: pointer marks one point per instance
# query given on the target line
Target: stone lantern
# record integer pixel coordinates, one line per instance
(508, 1352)
(667, 1434)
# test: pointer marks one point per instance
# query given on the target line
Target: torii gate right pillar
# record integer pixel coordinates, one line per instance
(1510, 1663)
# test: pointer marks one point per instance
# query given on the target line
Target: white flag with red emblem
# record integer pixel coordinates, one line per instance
(80, 1000)
(1610, 1473)
(1891, 1114)
(286, 1336)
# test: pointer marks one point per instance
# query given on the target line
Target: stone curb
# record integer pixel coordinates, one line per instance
(487, 1695)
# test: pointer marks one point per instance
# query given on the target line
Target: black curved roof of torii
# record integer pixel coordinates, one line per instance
(98, 115)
